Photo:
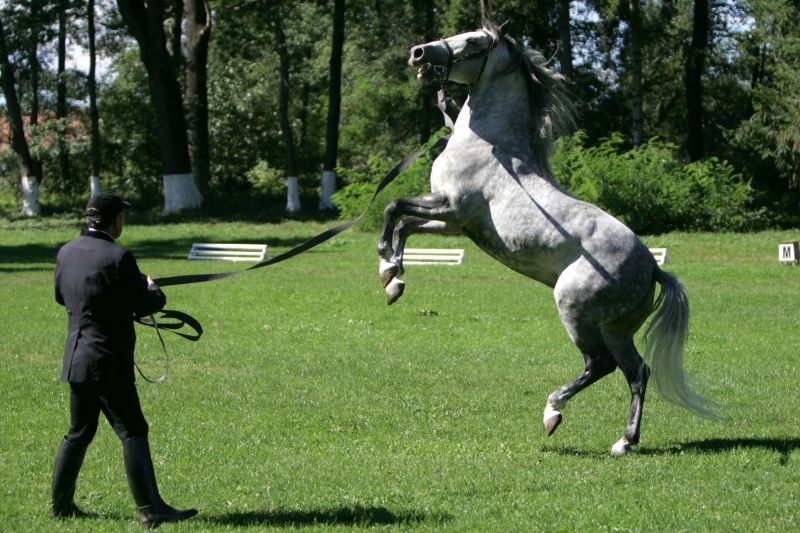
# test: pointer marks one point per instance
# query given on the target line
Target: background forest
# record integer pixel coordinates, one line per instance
(688, 111)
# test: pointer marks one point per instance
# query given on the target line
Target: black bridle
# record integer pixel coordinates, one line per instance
(442, 72)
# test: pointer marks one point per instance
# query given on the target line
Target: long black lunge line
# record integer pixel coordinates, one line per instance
(313, 241)
(180, 319)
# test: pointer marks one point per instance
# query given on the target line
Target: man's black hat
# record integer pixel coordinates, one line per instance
(105, 206)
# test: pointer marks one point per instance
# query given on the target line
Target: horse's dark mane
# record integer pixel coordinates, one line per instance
(551, 108)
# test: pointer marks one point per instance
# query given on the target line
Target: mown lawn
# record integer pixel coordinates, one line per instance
(311, 403)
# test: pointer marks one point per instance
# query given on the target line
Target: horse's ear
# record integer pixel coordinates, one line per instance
(501, 28)
(486, 15)
(489, 22)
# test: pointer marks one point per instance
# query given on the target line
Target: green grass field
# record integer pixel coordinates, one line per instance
(311, 403)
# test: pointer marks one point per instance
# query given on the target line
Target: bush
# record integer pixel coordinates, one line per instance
(650, 189)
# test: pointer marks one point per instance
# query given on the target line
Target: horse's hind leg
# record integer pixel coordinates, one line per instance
(636, 373)
(598, 365)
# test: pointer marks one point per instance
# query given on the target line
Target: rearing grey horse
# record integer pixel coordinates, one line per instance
(493, 183)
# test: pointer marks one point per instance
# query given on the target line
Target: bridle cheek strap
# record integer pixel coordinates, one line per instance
(443, 71)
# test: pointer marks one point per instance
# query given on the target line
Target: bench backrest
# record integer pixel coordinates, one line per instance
(433, 256)
(228, 252)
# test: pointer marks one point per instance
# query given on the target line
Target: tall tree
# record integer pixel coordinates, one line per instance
(695, 67)
(146, 24)
(565, 38)
(61, 96)
(33, 61)
(427, 92)
(94, 117)
(293, 192)
(198, 34)
(334, 108)
(30, 185)
(173, 25)
(635, 44)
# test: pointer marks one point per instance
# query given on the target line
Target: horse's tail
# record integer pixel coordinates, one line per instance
(664, 341)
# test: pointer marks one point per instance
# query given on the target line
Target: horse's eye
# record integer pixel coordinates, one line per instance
(472, 40)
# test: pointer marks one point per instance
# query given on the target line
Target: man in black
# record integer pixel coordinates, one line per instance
(99, 284)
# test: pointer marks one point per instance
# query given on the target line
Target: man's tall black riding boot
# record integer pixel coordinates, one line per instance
(68, 464)
(153, 511)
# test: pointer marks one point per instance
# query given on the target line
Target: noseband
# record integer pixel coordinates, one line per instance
(442, 72)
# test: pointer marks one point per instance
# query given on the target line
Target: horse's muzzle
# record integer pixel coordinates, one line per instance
(430, 59)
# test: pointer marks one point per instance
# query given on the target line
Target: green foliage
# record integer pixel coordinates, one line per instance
(650, 189)
(772, 50)
(130, 150)
(266, 179)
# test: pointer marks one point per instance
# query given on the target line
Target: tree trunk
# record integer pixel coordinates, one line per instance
(94, 118)
(565, 38)
(334, 108)
(292, 193)
(28, 181)
(174, 42)
(61, 98)
(695, 65)
(198, 34)
(146, 26)
(427, 93)
(33, 59)
(635, 41)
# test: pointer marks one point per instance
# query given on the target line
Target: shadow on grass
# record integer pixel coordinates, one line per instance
(349, 516)
(783, 446)
(27, 257)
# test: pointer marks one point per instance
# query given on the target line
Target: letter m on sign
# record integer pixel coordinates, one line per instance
(788, 252)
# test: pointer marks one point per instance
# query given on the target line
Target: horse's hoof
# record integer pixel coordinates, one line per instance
(552, 419)
(388, 271)
(621, 447)
(394, 290)
(551, 424)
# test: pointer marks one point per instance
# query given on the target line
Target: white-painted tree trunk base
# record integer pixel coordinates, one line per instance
(30, 196)
(293, 195)
(94, 186)
(181, 192)
(328, 188)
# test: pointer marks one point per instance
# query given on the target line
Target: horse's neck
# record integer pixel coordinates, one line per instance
(497, 111)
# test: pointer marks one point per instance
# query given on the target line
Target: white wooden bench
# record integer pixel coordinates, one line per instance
(228, 252)
(433, 256)
(660, 254)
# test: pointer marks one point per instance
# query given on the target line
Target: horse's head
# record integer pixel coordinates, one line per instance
(461, 58)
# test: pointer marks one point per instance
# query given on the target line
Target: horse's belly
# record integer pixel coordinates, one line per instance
(519, 252)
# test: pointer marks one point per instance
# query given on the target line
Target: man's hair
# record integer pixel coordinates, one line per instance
(97, 222)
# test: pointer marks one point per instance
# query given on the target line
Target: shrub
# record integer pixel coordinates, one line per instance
(649, 189)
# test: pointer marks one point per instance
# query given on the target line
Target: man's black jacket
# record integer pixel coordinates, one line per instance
(101, 287)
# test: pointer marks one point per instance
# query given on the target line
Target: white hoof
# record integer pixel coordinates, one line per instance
(394, 290)
(552, 418)
(387, 270)
(621, 447)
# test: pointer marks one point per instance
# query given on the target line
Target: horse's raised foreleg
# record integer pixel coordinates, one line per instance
(597, 366)
(393, 268)
(402, 217)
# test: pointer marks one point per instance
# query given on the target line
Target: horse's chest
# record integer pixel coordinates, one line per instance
(458, 171)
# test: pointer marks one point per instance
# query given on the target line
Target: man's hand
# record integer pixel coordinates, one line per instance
(151, 285)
